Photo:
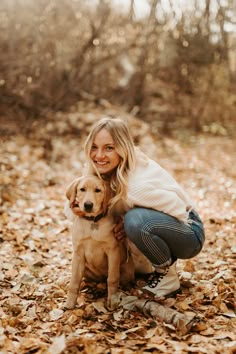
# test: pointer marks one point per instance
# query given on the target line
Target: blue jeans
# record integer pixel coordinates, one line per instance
(161, 237)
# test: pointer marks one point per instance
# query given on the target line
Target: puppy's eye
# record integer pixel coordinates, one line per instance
(82, 189)
(97, 190)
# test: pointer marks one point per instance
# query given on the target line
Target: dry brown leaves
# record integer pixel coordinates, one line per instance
(36, 255)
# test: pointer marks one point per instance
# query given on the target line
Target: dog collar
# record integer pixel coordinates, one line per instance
(95, 218)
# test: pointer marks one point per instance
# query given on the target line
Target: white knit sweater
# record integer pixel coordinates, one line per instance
(153, 187)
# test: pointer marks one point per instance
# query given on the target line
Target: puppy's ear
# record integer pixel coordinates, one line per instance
(71, 190)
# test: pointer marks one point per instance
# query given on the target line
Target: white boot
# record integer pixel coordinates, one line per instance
(163, 284)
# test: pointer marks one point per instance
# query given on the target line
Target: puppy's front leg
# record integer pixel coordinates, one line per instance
(78, 266)
(113, 279)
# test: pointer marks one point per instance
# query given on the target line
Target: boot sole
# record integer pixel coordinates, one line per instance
(172, 294)
(176, 292)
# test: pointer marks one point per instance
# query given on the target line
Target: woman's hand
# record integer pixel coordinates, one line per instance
(118, 230)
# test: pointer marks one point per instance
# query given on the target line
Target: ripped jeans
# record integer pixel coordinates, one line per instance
(162, 238)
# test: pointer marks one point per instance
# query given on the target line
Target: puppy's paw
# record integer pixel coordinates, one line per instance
(68, 306)
(109, 305)
(71, 301)
(113, 301)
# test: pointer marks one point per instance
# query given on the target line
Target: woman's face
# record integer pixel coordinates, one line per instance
(103, 153)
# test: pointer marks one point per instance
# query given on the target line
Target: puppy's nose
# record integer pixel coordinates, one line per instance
(88, 206)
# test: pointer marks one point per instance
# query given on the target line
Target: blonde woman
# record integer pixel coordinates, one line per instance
(161, 221)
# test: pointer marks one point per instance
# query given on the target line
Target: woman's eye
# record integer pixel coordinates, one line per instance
(97, 190)
(109, 148)
(93, 148)
(82, 189)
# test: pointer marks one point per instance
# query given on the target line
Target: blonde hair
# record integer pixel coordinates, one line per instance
(124, 146)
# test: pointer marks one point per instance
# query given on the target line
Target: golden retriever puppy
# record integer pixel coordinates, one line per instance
(97, 255)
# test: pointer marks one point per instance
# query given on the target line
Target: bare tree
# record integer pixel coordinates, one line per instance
(138, 82)
(222, 19)
(131, 10)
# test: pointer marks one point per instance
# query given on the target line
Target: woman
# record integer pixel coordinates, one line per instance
(161, 220)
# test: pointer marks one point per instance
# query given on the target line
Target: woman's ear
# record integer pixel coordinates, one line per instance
(71, 190)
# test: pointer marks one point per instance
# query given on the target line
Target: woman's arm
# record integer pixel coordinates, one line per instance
(147, 196)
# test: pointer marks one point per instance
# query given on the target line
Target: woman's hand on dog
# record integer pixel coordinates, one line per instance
(118, 230)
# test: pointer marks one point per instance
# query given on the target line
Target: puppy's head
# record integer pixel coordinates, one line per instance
(88, 195)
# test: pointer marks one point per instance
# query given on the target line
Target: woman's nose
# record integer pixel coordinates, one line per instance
(100, 153)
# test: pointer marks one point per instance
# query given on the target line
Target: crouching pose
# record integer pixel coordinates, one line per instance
(161, 220)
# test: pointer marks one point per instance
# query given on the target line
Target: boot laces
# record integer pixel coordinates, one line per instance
(155, 279)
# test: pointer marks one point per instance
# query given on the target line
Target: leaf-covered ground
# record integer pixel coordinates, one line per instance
(35, 256)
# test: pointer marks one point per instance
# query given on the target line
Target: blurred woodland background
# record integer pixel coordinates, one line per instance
(169, 68)
(174, 67)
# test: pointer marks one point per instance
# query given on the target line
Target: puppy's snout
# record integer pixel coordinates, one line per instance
(88, 206)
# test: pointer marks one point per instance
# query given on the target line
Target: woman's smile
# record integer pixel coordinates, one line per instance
(101, 164)
(103, 152)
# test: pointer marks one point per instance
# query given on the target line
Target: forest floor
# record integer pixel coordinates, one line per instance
(35, 254)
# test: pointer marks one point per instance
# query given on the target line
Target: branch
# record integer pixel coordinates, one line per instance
(181, 322)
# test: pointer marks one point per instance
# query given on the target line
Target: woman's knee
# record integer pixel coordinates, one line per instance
(137, 218)
(132, 224)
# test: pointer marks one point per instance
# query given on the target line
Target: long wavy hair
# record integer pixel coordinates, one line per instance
(124, 146)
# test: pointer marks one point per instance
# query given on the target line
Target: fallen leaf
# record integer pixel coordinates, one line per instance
(58, 345)
(55, 314)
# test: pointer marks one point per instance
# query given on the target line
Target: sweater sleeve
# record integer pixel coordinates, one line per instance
(144, 195)
(68, 212)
